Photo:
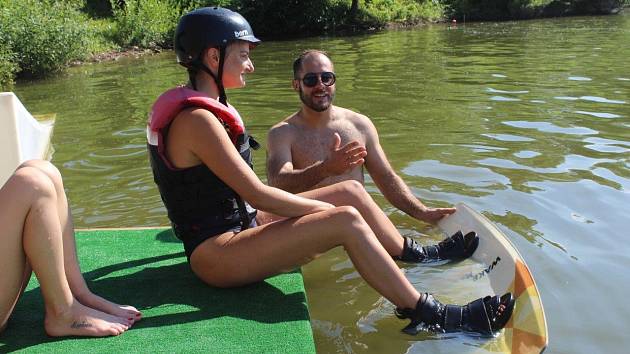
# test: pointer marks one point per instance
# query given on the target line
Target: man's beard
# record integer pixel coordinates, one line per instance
(308, 101)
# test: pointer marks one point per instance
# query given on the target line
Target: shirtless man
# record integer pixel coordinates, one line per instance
(322, 144)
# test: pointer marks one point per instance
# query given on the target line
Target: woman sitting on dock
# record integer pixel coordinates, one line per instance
(38, 235)
(201, 159)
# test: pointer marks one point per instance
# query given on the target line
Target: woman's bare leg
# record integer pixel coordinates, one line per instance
(16, 271)
(354, 194)
(254, 254)
(31, 233)
(77, 284)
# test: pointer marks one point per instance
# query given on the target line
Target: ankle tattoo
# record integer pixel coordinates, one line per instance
(82, 324)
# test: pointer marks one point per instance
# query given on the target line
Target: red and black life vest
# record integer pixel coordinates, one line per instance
(195, 198)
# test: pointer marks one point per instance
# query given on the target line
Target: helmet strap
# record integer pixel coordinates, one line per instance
(192, 76)
(217, 78)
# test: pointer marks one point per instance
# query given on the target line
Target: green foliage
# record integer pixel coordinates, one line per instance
(8, 67)
(596, 6)
(194, 4)
(98, 8)
(522, 9)
(403, 10)
(281, 18)
(44, 35)
(482, 9)
(145, 23)
(101, 36)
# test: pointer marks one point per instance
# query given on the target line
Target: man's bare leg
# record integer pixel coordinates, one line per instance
(354, 194)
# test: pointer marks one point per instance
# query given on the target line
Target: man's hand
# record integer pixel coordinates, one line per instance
(433, 215)
(344, 158)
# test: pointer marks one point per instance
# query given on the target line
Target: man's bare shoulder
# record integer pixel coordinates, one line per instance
(286, 128)
(360, 121)
(293, 121)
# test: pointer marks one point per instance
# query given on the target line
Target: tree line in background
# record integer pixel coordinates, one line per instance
(475, 10)
(40, 37)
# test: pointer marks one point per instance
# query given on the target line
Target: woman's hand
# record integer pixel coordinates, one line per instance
(323, 206)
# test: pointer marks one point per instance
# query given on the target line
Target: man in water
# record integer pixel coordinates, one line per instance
(322, 144)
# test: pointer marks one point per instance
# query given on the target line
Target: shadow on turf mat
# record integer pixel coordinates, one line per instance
(167, 236)
(170, 297)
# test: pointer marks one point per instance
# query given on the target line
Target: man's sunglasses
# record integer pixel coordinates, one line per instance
(311, 79)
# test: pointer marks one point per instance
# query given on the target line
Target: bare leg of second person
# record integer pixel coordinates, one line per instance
(354, 194)
(32, 236)
(77, 284)
(254, 254)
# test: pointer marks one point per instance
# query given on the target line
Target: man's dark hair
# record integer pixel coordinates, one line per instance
(297, 64)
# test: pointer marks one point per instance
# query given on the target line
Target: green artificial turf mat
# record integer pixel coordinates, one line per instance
(148, 269)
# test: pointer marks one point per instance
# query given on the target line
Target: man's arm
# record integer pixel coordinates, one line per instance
(392, 186)
(282, 174)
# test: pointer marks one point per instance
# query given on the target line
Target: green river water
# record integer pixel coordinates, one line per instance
(527, 122)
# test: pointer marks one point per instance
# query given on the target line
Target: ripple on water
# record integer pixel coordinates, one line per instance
(599, 114)
(508, 137)
(84, 165)
(566, 98)
(332, 331)
(589, 98)
(611, 176)
(570, 163)
(98, 219)
(382, 309)
(481, 148)
(548, 127)
(580, 218)
(601, 99)
(607, 145)
(580, 78)
(493, 90)
(526, 154)
(118, 152)
(503, 99)
(469, 176)
(130, 132)
(579, 162)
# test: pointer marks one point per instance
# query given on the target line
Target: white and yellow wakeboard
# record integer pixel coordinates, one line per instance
(506, 271)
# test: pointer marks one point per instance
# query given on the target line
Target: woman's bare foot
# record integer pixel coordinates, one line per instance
(80, 320)
(96, 302)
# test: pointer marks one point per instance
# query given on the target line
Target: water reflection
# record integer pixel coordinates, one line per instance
(524, 121)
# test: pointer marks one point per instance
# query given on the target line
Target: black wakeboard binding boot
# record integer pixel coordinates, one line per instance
(455, 247)
(484, 315)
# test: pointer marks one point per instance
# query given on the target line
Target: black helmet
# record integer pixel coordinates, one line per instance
(209, 27)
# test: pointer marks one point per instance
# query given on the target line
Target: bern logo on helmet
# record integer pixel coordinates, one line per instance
(242, 33)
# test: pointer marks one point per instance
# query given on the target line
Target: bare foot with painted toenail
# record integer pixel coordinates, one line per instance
(80, 320)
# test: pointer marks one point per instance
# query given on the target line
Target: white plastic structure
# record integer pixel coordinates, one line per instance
(22, 137)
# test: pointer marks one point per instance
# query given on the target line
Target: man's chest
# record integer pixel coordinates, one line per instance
(311, 146)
